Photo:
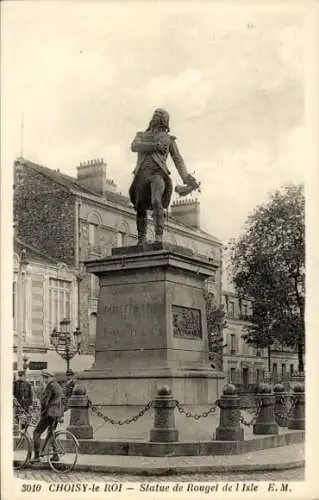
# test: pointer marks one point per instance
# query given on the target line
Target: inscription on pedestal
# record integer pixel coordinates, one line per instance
(187, 322)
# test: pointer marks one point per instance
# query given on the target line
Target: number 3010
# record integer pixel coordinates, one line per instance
(29, 488)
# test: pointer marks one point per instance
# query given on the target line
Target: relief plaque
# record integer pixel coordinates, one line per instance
(187, 322)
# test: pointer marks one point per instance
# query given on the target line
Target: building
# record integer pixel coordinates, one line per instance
(245, 365)
(73, 220)
(43, 291)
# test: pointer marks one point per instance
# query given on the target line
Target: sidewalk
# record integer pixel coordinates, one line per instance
(282, 458)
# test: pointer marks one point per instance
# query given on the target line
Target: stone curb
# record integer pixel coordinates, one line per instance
(190, 469)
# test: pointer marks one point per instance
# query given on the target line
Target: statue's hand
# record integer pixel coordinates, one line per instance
(162, 148)
(191, 181)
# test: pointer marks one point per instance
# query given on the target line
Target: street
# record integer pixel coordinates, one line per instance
(49, 476)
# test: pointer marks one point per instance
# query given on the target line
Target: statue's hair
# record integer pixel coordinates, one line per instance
(160, 117)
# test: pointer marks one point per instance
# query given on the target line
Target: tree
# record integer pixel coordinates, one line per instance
(268, 266)
(215, 316)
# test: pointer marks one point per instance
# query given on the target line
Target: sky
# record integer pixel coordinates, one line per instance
(86, 76)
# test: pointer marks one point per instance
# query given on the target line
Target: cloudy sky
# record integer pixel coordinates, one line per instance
(86, 76)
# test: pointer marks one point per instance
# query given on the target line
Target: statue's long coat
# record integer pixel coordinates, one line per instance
(144, 145)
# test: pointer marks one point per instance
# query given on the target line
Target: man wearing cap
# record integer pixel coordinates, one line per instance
(51, 412)
(152, 187)
(22, 391)
(69, 386)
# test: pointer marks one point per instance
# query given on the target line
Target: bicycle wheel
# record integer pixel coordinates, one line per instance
(66, 446)
(22, 450)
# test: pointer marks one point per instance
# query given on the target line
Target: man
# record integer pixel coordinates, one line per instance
(152, 187)
(51, 412)
(22, 391)
(69, 386)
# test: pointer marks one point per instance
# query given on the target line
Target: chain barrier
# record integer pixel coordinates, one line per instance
(112, 421)
(255, 412)
(197, 416)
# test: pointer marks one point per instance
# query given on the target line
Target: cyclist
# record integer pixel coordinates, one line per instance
(22, 391)
(51, 413)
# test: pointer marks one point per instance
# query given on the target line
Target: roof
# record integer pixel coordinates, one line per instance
(64, 180)
(32, 253)
(70, 183)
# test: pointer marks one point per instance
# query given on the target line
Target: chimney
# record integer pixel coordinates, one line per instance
(187, 211)
(92, 175)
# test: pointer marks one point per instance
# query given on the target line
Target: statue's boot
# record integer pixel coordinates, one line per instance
(141, 223)
(158, 215)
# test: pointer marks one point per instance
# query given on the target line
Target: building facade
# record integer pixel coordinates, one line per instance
(43, 292)
(74, 220)
(245, 365)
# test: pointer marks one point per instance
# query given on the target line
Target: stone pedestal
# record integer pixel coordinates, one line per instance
(297, 419)
(265, 422)
(79, 419)
(164, 430)
(229, 426)
(151, 327)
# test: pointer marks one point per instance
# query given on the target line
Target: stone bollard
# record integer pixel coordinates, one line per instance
(265, 422)
(164, 429)
(297, 419)
(229, 421)
(79, 419)
(281, 414)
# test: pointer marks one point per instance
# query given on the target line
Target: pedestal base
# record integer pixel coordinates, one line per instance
(265, 428)
(119, 388)
(230, 434)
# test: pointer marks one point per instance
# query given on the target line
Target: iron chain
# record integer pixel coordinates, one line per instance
(196, 416)
(256, 412)
(112, 421)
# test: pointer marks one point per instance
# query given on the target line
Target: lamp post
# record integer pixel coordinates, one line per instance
(21, 296)
(25, 363)
(66, 344)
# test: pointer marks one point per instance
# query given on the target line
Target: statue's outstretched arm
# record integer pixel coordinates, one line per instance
(140, 145)
(178, 161)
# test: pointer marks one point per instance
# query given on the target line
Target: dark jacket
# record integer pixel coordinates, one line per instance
(22, 390)
(68, 390)
(51, 400)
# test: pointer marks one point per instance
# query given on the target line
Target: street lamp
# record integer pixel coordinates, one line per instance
(66, 344)
(21, 317)
(25, 363)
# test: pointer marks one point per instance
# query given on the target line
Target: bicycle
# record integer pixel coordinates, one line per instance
(61, 442)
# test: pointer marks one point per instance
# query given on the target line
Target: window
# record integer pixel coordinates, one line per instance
(94, 286)
(258, 373)
(14, 305)
(231, 309)
(283, 369)
(274, 367)
(233, 375)
(93, 235)
(291, 369)
(232, 343)
(120, 239)
(92, 326)
(59, 301)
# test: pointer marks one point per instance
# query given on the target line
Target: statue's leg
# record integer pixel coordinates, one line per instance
(157, 191)
(141, 224)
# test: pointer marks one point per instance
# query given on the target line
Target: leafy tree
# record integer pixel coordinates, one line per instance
(268, 266)
(215, 316)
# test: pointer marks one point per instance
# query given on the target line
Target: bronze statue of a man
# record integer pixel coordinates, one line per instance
(151, 188)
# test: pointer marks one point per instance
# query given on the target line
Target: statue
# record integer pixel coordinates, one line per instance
(152, 187)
